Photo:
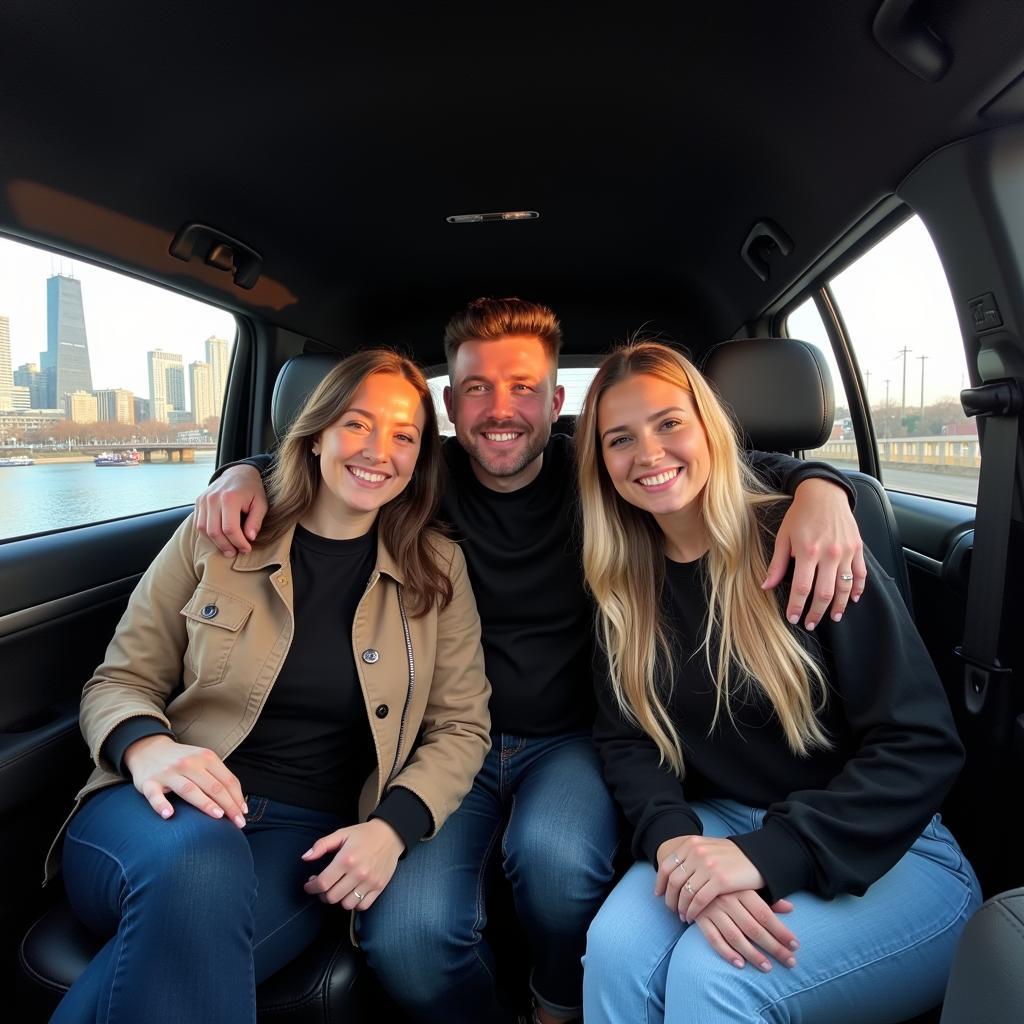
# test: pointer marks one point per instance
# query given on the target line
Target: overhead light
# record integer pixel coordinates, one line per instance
(477, 218)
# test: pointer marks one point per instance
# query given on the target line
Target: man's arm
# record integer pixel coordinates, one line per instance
(235, 490)
(819, 532)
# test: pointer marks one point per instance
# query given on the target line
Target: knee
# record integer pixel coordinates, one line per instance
(607, 945)
(208, 858)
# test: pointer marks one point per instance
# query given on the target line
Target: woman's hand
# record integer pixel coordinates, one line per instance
(740, 926)
(819, 531)
(694, 870)
(366, 859)
(237, 492)
(160, 765)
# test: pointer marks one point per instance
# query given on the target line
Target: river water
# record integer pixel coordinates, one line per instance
(46, 496)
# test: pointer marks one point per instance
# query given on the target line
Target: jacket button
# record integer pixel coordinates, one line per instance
(382, 711)
(209, 611)
(370, 656)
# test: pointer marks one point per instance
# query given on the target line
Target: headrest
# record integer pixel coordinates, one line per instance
(779, 390)
(295, 383)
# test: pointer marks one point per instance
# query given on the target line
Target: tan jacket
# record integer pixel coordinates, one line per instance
(422, 679)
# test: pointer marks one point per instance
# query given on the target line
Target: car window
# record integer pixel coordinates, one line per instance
(903, 330)
(110, 393)
(840, 449)
(575, 380)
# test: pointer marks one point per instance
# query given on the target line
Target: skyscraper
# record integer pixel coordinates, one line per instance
(115, 405)
(166, 384)
(217, 357)
(28, 375)
(6, 379)
(201, 382)
(66, 359)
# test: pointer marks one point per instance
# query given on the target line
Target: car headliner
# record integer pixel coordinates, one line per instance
(649, 136)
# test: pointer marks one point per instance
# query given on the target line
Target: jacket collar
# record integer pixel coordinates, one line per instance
(265, 556)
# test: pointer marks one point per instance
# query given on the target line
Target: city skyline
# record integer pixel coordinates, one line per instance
(125, 317)
(62, 379)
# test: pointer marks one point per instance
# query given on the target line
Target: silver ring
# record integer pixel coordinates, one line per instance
(675, 857)
(689, 888)
(358, 895)
(845, 578)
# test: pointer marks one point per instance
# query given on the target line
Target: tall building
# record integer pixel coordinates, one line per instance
(166, 384)
(140, 407)
(80, 407)
(66, 359)
(201, 382)
(28, 376)
(217, 357)
(6, 378)
(115, 405)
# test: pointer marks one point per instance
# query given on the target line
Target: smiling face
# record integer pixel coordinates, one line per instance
(655, 449)
(502, 401)
(367, 456)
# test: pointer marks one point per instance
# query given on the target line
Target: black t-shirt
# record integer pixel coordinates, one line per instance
(523, 553)
(311, 744)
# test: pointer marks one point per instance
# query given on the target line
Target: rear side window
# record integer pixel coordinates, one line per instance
(111, 393)
(902, 329)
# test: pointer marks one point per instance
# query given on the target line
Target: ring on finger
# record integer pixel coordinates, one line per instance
(675, 857)
(358, 895)
(846, 577)
(689, 887)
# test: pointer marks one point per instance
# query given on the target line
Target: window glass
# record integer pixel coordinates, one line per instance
(805, 324)
(110, 393)
(575, 380)
(899, 313)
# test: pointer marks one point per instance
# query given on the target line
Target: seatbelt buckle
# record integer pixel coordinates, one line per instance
(978, 673)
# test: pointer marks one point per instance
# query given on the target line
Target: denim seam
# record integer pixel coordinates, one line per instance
(123, 920)
(283, 924)
(478, 924)
(261, 808)
(868, 963)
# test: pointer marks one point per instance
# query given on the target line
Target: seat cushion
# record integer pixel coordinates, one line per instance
(328, 982)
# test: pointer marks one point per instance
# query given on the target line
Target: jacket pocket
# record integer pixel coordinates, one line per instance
(213, 621)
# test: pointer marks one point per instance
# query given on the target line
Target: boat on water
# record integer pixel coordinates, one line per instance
(128, 458)
(17, 460)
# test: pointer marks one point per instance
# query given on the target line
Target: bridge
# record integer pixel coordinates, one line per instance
(164, 451)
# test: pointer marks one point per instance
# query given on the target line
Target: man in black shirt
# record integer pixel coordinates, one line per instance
(539, 805)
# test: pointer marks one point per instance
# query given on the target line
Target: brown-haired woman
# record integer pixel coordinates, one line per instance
(333, 712)
(782, 784)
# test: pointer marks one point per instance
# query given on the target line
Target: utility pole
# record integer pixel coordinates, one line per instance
(921, 360)
(903, 403)
(888, 425)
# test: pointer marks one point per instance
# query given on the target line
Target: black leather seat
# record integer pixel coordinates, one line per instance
(780, 391)
(328, 982)
(986, 982)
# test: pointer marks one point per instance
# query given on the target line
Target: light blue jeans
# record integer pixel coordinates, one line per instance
(883, 956)
(541, 805)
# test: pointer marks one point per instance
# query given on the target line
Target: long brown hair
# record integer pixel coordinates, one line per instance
(403, 522)
(746, 639)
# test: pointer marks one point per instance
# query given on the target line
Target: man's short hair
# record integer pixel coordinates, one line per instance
(490, 319)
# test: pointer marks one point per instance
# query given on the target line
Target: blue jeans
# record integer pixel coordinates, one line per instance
(883, 956)
(545, 802)
(198, 910)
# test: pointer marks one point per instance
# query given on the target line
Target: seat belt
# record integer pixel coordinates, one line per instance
(1001, 403)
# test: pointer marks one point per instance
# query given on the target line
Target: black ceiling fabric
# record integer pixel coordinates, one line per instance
(650, 137)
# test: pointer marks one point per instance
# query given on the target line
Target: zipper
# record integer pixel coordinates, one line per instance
(412, 683)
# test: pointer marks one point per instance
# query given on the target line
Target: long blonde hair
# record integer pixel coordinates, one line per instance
(403, 522)
(746, 640)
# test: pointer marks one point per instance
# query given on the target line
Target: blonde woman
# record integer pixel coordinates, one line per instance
(783, 785)
(332, 714)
